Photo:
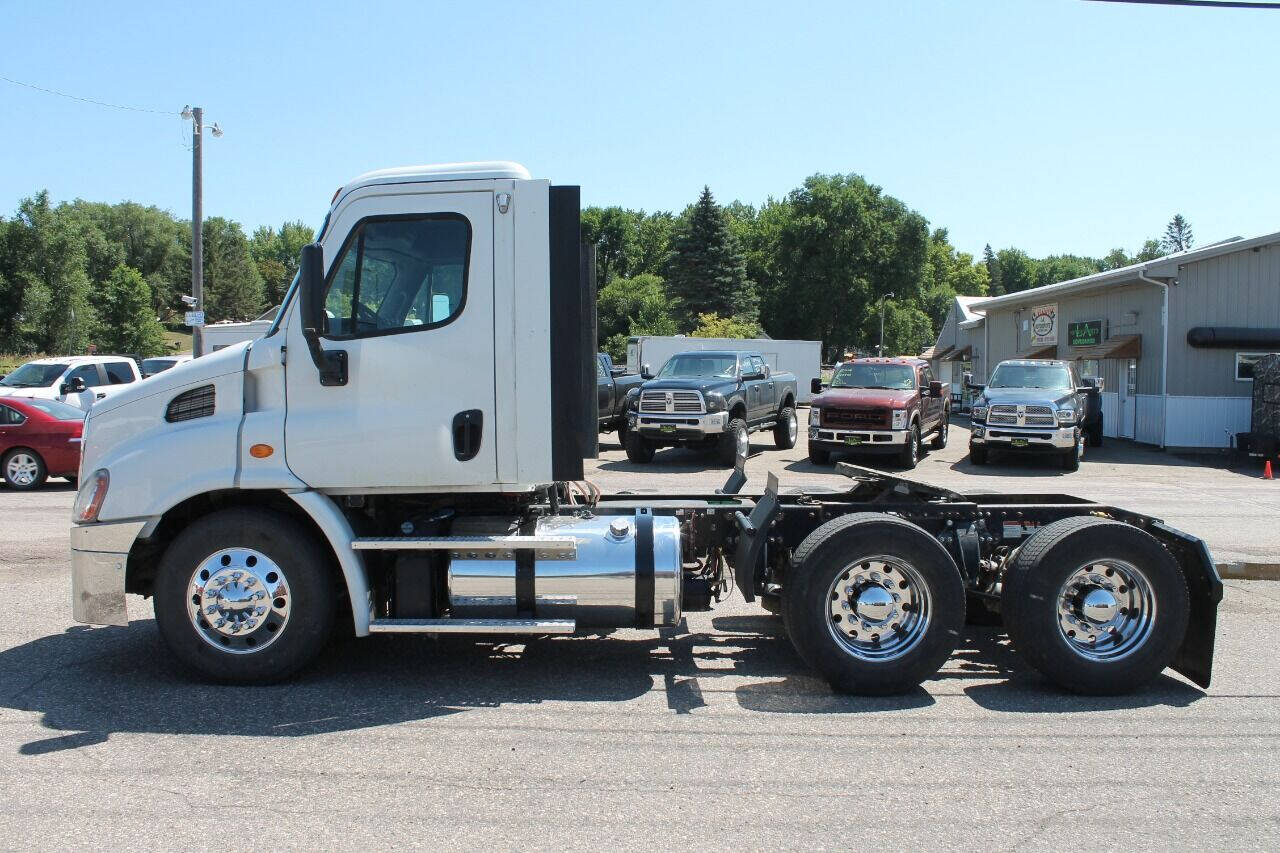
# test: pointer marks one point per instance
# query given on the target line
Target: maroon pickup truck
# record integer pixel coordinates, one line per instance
(879, 405)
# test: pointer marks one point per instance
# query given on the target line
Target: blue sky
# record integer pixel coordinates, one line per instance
(1051, 125)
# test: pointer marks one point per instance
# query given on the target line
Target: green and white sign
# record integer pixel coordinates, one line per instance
(1085, 334)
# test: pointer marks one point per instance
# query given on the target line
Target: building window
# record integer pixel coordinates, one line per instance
(1090, 367)
(1244, 365)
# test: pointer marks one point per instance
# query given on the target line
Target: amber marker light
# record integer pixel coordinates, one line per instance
(261, 451)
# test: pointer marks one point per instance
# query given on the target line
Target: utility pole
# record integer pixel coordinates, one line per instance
(880, 347)
(196, 116)
(197, 229)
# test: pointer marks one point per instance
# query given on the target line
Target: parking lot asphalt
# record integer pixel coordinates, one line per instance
(714, 736)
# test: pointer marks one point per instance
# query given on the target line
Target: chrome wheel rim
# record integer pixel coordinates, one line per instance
(1106, 610)
(792, 428)
(744, 443)
(22, 469)
(878, 608)
(239, 600)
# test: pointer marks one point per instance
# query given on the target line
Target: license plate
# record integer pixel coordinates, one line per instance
(1019, 442)
(852, 440)
(668, 427)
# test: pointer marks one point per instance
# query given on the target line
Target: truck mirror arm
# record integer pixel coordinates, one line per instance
(311, 291)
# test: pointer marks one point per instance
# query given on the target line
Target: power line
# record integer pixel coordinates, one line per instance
(86, 100)
(1224, 4)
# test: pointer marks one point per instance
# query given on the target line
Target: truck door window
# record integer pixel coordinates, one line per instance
(87, 372)
(399, 274)
(118, 373)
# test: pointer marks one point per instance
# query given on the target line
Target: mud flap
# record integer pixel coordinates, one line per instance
(753, 536)
(1195, 656)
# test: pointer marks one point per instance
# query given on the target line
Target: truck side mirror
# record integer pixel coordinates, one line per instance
(646, 372)
(815, 385)
(75, 386)
(935, 388)
(332, 364)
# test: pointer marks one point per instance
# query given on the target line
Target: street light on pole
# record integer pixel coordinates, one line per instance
(195, 115)
(880, 348)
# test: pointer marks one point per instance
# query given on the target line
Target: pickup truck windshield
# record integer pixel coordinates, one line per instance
(1050, 376)
(889, 377)
(34, 376)
(695, 366)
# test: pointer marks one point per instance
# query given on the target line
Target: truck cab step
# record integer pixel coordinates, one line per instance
(472, 626)
(475, 547)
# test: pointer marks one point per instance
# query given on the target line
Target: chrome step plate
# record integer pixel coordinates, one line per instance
(472, 626)
(475, 547)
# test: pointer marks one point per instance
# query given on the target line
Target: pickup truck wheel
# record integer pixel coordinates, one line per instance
(940, 437)
(977, 455)
(818, 456)
(1071, 459)
(873, 603)
(622, 434)
(786, 429)
(734, 442)
(245, 595)
(910, 455)
(1095, 605)
(639, 450)
(24, 470)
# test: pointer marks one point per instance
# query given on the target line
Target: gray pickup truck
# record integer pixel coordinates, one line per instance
(711, 400)
(612, 384)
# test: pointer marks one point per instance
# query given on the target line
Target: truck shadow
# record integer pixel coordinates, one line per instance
(87, 684)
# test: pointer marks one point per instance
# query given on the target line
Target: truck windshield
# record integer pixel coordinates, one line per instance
(889, 377)
(694, 366)
(32, 375)
(151, 366)
(1054, 377)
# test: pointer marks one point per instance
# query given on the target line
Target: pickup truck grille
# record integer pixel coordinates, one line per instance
(1008, 414)
(876, 418)
(671, 402)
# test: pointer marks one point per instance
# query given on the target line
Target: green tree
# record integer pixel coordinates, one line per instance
(715, 326)
(632, 306)
(275, 252)
(1150, 250)
(947, 274)
(995, 285)
(126, 318)
(1177, 235)
(1056, 268)
(1017, 270)
(1115, 259)
(706, 273)
(232, 283)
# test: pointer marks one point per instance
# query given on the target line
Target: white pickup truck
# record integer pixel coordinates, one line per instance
(79, 380)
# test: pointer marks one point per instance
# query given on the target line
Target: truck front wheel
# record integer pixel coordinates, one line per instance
(786, 429)
(245, 596)
(940, 437)
(1096, 606)
(735, 442)
(910, 455)
(639, 450)
(873, 603)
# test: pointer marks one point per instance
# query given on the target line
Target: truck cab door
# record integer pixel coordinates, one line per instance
(410, 301)
(605, 390)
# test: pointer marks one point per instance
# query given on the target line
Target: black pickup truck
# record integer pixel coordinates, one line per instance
(612, 385)
(712, 400)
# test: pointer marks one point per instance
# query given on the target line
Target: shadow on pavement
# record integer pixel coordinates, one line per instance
(89, 683)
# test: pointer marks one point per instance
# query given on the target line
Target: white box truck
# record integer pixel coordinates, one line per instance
(803, 358)
(400, 451)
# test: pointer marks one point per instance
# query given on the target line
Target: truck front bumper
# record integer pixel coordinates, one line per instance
(99, 554)
(1028, 439)
(676, 427)
(858, 440)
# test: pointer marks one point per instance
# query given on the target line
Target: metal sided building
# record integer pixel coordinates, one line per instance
(959, 347)
(1173, 339)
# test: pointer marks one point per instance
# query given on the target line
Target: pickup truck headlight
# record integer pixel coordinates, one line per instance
(93, 491)
(633, 400)
(1066, 416)
(899, 418)
(979, 413)
(715, 402)
(815, 415)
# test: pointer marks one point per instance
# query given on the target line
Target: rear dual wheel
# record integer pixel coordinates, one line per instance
(873, 603)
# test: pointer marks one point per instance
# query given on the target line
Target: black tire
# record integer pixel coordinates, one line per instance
(834, 550)
(1071, 459)
(784, 436)
(727, 448)
(1093, 435)
(909, 456)
(1033, 584)
(622, 435)
(27, 458)
(977, 455)
(944, 428)
(307, 583)
(638, 448)
(819, 456)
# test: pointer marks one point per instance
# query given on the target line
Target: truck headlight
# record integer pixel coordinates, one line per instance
(633, 399)
(715, 402)
(1066, 417)
(815, 415)
(979, 413)
(899, 418)
(93, 491)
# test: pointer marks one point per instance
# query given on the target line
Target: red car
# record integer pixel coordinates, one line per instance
(38, 439)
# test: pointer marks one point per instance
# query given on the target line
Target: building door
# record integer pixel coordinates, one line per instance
(1128, 399)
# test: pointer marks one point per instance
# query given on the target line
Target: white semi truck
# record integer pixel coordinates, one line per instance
(402, 451)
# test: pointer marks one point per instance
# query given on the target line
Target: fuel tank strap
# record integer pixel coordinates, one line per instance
(644, 568)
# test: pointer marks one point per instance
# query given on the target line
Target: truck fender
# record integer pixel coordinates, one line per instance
(333, 524)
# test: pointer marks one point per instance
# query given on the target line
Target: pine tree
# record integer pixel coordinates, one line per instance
(1177, 235)
(995, 286)
(707, 273)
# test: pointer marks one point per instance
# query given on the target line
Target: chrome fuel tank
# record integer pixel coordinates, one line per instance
(627, 573)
